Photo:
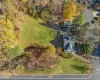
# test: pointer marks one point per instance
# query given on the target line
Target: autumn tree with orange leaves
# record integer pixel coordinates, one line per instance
(69, 10)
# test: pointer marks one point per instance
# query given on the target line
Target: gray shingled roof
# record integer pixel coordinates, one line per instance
(69, 44)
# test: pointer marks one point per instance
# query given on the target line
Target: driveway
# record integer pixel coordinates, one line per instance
(96, 69)
(88, 16)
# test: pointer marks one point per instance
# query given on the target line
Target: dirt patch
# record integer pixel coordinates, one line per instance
(38, 59)
(35, 58)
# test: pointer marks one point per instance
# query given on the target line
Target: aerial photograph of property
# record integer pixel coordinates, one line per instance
(50, 39)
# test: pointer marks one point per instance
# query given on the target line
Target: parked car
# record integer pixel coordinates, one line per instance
(92, 21)
(98, 14)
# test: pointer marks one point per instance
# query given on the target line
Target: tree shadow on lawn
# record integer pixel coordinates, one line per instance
(81, 68)
(50, 25)
(57, 42)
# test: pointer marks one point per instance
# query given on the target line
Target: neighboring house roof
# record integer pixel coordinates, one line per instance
(65, 24)
(97, 1)
(69, 44)
(68, 24)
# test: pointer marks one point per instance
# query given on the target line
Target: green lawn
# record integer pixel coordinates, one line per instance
(79, 20)
(83, 21)
(33, 33)
(25, 1)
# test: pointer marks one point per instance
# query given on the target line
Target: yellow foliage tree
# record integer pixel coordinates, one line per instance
(7, 36)
(69, 10)
(80, 8)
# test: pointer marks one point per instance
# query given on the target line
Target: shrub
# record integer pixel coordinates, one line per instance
(67, 55)
(80, 65)
(81, 68)
(79, 20)
(59, 51)
(3, 58)
(50, 51)
(86, 48)
(19, 68)
(12, 52)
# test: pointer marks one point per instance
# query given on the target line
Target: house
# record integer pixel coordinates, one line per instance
(69, 44)
(65, 24)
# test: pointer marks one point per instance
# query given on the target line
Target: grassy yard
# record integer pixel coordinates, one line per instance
(33, 33)
(79, 20)
(83, 21)
(25, 1)
(65, 66)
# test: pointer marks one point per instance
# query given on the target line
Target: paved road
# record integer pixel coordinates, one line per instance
(95, 61)
(96, 67)
(46, 77)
